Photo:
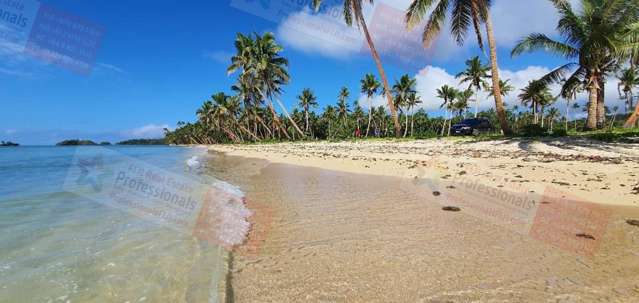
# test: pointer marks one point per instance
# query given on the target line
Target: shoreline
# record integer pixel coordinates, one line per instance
(597, 172)
(337, 236)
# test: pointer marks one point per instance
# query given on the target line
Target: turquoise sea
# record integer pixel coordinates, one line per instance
(60, 243)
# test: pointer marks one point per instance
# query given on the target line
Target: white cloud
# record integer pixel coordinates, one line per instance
(326, 34)
(110, 67)
(321, 33)
(430, 78)
(147, 131)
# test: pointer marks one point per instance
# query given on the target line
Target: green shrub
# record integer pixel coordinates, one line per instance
(559, 132)
(533, 130)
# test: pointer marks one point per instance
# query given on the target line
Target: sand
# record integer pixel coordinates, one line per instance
(598, 172)
(349, 222)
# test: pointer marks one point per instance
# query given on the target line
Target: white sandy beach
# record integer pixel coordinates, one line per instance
(595, 171)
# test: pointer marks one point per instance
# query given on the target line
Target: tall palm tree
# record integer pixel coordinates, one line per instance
(260, 63)
(448, 94)
(596, 38)
(463, 14)
(353, 12)
(342, 106)
(628, 80)
(358, 115)
(307, 100)
(475, 75)
(402, 91)
(370, 86)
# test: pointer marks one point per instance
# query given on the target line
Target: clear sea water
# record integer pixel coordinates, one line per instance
(59, 246)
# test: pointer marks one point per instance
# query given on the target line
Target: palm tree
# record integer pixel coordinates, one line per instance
(596, 38)
(553, 114)
(474, 74)
(260, 63)
(576, 107)
(462, 100)
(448, 94)
(412, 101)
(402, 91)
(358, 115)
(628, 80)
(534, 95)
(505, 88)
(329, 116)
(307, 100)
(353, 10)
(342, 105)
(615, 110)
(370, 86)
(463, 13)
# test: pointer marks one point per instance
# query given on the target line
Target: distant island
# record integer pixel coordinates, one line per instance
(75, 143)
(143, 142)
(8, 143)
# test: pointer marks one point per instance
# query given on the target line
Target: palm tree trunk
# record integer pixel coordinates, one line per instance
(542, 116)
(601, 109)
(567, 115)
(370, 115)
(476, 104)
(289, 117)
(499, 102)
(406, 126)
(277, 121)
(412, 125)
(382, 75)
(306, 117)
(591, 122)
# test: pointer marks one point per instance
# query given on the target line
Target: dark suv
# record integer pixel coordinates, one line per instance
(471, 127)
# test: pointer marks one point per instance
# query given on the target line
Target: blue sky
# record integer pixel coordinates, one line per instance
(159, 60)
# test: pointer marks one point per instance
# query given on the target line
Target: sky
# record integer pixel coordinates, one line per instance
(156, 62)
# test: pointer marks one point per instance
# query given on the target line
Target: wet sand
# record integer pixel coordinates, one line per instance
(328, 236)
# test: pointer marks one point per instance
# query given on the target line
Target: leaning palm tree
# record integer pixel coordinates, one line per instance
(597, 37)
(307, 100)
(463, 13)
(260, 63)
(353, 12)
(402, 91)
(628, 80)
(370, 86)
(342, 106)
(475, 75)
(448, 94)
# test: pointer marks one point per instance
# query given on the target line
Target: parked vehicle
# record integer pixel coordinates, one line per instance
(473, 127)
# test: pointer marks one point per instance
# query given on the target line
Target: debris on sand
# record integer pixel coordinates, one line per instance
(633, 222)
(586, 236)
(436, 193)
(451, 208)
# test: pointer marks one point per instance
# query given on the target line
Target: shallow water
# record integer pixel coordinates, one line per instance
(59, 244)
(339, 237)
